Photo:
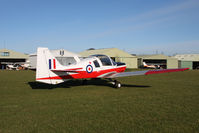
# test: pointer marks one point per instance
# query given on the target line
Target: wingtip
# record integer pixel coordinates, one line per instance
(165, 71)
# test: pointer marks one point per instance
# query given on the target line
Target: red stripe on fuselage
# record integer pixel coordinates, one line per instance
(84, 74)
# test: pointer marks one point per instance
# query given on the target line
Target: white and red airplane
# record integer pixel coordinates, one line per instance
(50, 71)
(151, 66)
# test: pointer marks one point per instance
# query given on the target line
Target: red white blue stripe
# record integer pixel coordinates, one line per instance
(52, 64)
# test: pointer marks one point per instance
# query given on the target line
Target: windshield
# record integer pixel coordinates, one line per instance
(104, 59)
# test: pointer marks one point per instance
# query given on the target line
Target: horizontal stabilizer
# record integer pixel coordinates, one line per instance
(75, 70)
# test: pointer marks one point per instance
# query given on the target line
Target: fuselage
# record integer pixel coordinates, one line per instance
(95, 66)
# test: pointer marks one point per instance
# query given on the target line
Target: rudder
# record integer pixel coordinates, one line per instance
(45, 63)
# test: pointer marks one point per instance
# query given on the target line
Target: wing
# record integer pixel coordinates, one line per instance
(125, 74)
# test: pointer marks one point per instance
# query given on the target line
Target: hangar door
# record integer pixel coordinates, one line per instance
(4, 62)
(195, 65)
(186, 64)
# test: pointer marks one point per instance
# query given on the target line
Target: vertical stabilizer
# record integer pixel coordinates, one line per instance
(45, 63)
(145, 64)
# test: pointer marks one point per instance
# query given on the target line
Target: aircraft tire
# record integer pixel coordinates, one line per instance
(117, 84)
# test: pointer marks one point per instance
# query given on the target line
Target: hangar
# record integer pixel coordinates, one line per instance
(9, 56)
(163, 61)
(188, 61)
(116, 54)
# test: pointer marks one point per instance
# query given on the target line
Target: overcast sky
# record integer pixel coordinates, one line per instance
(136, 26)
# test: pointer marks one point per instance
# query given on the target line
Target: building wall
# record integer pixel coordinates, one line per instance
(11, 57)
(139, 62)
(33, 61)
(172, 63)
(188, 60)
(186, 64)
(129, 61)
(9, 54)
(188, 57)
(169, 61)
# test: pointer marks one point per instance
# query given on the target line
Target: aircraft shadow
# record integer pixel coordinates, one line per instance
(68, 84)
(71, 83)
(141, 86)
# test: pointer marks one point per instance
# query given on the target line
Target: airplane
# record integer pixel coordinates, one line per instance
(26, 65)
(18, 66)
(13, 66)
(151, 66)
(50, 71)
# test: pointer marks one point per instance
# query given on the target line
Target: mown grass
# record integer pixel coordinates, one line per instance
(158, 103)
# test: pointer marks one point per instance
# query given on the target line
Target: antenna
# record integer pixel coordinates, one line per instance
(156, 51)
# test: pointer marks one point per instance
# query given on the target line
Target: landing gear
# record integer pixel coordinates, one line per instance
(115, 83)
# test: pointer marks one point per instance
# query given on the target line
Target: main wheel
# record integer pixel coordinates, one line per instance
(117, 84)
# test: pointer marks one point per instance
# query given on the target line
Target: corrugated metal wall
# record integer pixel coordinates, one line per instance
(131, 62)
(172, 63)
(186, 64)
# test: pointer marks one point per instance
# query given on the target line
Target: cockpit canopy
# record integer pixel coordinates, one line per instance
(106, 61)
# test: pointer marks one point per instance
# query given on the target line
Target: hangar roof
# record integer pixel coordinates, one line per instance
(188, 57)
(112, 52)
(10, 54)
(156, 56)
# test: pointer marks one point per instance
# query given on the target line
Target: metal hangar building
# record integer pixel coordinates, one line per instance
(9, 56)
(188, 61)
(164, 61)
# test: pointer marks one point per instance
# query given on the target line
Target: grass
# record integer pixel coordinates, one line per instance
(157, 103)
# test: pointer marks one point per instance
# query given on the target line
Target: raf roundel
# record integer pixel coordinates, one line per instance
(89, 69)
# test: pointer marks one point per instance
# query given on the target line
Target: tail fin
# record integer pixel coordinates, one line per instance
(45, 63)
(144, 63)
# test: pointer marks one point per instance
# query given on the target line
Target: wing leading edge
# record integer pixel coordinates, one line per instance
(148, 72)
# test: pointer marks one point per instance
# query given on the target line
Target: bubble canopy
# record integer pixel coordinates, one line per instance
(105, 60)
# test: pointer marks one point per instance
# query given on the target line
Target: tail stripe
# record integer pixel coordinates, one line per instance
(54, 64)
(49, 63)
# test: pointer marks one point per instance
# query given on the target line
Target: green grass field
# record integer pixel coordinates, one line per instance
(157, 103)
